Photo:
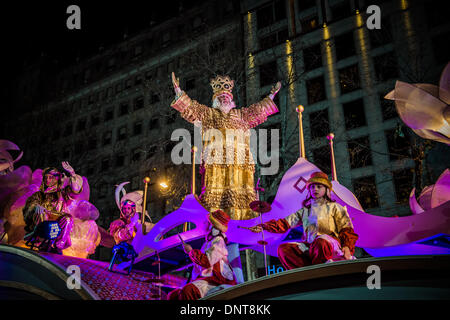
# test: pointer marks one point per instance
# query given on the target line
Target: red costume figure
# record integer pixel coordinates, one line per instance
(327, 229)
(211, 266)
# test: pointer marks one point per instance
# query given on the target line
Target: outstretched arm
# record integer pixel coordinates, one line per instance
(257, 113)
(76, 181)
(190, 110)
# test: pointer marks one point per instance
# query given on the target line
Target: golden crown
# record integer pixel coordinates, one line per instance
(222, 84)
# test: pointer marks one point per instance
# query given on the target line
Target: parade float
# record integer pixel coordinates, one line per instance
(412, 252)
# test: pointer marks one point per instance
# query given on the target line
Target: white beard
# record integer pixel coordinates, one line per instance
(224, 107)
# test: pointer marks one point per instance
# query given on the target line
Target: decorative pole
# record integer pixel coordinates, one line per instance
(301, 141)
(194, 150)
(330, 138)
(146, 182)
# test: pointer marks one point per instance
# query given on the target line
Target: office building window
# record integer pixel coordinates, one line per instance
(81, 125)
(68, 128)
(354, 114)
(322, 158)
(387, 107)
(341, 10)
(136, 155)
(344, 45)
(153, 124)
(121, 133)
(120, 160)
(386, 67)
(95, 119)
(310, 23)
(366, 192)
(109, 114)
(123, 109)
(268, 73)
(319, 123)
(359, 152)
(270, 14)
(107, 138)
(273, 39)
(312, 57)
(398, 144)
(316, 90)
(441, 47)
(137, 128)
(305, 4)
(403, 182)
(138, 103)
(349, 79)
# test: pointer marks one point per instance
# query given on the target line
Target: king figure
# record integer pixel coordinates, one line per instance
(228, 163)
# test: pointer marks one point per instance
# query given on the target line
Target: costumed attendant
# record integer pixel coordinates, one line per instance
(211, 266)
(130, 206)
(328, 233)
(52, 203)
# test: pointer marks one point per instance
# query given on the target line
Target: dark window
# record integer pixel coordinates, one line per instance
(90, 170)
(349, 79)
(270, 14)
(312, 57)
(106, 138)
(128, 83)
(268, 73)
(105, 165)
(67, 130)
(359, 152)
(169, 146)
(109, 114)
(341, 10)
(189, 84)
(119, 87)
(138, 80)
(319, 123)
(123, 109)
(95, 120)
(153, 124)
(137, 128)
(56, 134)
(305, 4)
(273, 39)
(380, 37)
(121, 133)
(120, 160)
(398, 144)
(366, 192)
(136, 155)
(387, 108)
(403, 182)
(81, 125)
(345, 46)
(92, 143)
(386, 66)
(217, 47)
(154, 98)
(79, 148)
(309, 24)
(441, 47)
(138, 103)
(316, 90)
(354, 114)
(322, 158)
(435, 14)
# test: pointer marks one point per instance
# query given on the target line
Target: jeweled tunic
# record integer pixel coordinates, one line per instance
(229, 181)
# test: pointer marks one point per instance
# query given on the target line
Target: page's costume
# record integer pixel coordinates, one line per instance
(327, 228)
(211, 265)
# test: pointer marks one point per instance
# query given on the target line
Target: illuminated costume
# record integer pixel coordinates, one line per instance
(327, 228)
(228, 184)
(54, 203)
(124, 228)
(211, 266)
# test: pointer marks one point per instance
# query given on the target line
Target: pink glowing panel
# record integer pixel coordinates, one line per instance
(413, 204)
(190, 211)
(441, 190)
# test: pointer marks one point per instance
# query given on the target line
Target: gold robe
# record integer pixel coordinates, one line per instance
(229, 185)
